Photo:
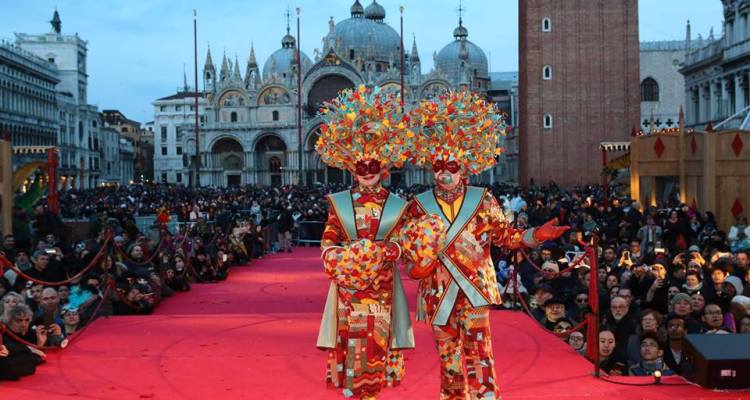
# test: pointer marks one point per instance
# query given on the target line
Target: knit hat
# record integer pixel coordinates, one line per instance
(736, 282)
(680, 297)
(742, 300)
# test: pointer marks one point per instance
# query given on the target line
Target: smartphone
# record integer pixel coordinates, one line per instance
(224, 257)
(659, 250)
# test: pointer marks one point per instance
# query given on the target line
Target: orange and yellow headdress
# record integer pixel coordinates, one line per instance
(458, 126)
(362, 124)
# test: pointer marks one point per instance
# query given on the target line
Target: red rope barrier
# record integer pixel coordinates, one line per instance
(83, 272)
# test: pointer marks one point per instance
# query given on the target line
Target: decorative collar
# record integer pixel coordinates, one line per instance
(450, 196)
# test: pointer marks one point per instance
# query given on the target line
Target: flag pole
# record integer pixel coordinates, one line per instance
(300, 179)
(196, 179)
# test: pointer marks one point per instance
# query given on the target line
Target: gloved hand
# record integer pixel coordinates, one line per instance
(549, 231)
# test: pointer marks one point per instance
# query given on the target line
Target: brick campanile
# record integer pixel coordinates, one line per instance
(579, 85)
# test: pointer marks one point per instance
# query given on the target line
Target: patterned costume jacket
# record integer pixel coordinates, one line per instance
(465, 265)
(362, 329)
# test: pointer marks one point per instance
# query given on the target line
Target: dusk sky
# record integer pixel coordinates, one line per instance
(137, 48)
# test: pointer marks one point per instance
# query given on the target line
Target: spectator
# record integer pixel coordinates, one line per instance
(681, 307)
(693, 282)
(578, 343)
(71, 321)
(739, 228)
(656, 296)
(554, 311)
(620, 321)
(676, 333)
(744, 324)
(713, 319)
(609, 362)
(651, 351)
(650, 322)
(286, 224)
(48, 317)
(16, 359)
(10, 300)
(649, 234)
(542, 294)
(697, 303)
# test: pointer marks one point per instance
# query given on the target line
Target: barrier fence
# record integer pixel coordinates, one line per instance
(591, 322)
(309, 232)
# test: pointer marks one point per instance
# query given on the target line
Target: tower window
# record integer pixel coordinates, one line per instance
(547, 121)
(351, 54)
(547, 72)
(233, 117)
(275, 115)
(546, 25)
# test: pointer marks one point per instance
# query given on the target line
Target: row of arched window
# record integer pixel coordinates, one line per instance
(233, 116)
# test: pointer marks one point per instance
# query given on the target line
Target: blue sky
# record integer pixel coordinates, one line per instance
(137, 48)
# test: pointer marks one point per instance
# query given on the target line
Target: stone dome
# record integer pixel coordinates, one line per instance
(375, 11)
(358, 34)
(281, 62)
(462, 50)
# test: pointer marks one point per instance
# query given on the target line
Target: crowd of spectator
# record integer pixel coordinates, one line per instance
(663, 272)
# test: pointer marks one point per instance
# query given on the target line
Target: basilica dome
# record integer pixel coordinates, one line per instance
(365, 31)
(462, 50)
(282, 59)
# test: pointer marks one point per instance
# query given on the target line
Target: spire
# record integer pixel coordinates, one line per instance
(236, 72)
(687, 36)
(56, 22)
(185, 87)
(251, 61)
(357, 10)
(209, 61)
(288, 41)
(224, 74)
(414, 56)
(460, 32)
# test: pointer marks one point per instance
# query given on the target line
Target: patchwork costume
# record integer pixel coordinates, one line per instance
(366, 322)
(457, 284)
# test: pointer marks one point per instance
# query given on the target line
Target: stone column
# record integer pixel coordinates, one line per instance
(726, 108)
(717, 110)
(704, 100)
(739, 92)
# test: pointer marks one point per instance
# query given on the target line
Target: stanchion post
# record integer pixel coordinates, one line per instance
(594, 275)
(516, 265)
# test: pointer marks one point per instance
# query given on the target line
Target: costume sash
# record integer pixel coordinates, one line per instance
(402, 335)
(344, 208)
(472, 200)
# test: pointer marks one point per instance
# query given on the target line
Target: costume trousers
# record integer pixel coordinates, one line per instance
(464, 345)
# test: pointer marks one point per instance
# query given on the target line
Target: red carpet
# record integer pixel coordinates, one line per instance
(253, 337)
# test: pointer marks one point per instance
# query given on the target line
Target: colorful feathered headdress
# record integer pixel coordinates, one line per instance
(458, 126)
(362, 124)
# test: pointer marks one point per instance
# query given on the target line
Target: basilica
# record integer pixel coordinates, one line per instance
(248, 132)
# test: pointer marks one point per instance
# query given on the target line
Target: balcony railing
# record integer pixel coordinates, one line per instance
(737, 50)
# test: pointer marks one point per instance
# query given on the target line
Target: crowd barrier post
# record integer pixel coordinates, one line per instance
(594, 301)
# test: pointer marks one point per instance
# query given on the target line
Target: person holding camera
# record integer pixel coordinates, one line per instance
(48, 318)
(17, 359)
